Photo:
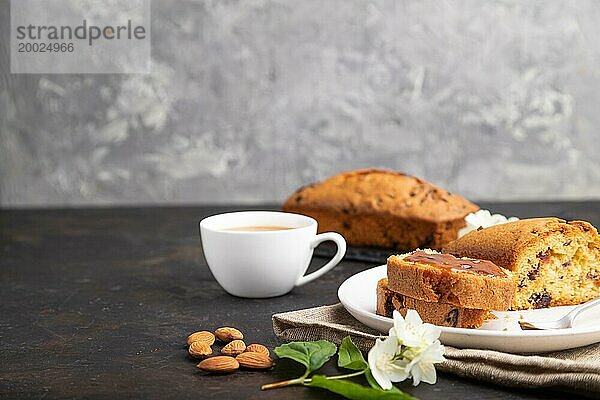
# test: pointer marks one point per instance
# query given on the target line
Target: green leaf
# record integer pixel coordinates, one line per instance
(310, 354)
(350, 357)
(354, 391)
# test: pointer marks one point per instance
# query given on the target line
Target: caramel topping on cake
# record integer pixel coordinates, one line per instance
(448, 261)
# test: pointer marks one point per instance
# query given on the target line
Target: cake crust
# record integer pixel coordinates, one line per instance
(460, 286)
(554, 262)
(382, 208)
(434, 313)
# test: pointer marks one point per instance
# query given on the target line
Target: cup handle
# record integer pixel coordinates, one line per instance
(341, 251)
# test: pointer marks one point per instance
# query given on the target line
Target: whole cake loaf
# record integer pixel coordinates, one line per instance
(553, 262)
(382, 208)
(442, 278)
(434, 313)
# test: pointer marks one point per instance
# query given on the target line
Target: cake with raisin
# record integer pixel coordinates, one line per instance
(434, 313)
(553, 262)
(442, 278)
(382, 208)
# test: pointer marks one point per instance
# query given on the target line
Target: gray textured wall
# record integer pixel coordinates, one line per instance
(249, 99)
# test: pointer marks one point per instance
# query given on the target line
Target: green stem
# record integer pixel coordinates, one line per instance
(297, 381)
(303, 380)
(345, 376)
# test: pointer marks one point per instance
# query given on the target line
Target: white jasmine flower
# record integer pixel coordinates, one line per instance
(411, 350)
(422, 368)
(484, 219)
(384, 363)
(412, 332)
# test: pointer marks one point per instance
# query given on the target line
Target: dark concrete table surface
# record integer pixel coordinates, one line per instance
(97, 303)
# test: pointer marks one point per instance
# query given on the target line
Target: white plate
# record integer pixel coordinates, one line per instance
(358, 295)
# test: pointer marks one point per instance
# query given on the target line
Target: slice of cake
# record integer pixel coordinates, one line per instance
(553, 262)
(433, 313)
(382, 208)
(463, 282)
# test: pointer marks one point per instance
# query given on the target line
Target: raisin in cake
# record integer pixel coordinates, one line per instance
(434, 313)
(554, 262)
(383, 209)
(463, 282)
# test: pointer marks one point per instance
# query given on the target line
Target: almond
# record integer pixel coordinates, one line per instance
(199, 349)
(257, 348)
(234, 348)
(204, 336)
(219, 364)
(254, 360)
(227, 334)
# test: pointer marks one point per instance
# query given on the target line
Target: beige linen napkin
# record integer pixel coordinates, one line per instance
(571, 370)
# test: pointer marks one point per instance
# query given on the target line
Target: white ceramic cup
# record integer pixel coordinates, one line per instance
(264, 263)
